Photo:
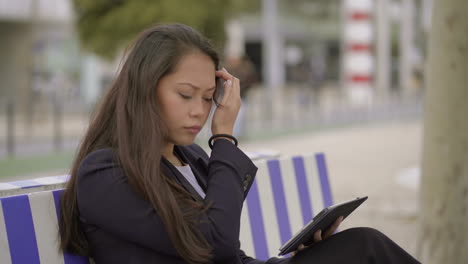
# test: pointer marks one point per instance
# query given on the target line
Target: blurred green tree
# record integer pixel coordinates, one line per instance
(105, 26)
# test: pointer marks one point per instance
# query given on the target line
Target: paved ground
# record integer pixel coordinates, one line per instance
(378, 160)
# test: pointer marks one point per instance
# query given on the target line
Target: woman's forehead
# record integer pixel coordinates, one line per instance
(196, 69)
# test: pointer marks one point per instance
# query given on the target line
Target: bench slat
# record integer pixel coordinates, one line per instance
(68, 258)
(257, 207)
(20, 230)
(46, 226)
(4, 246)
(324, 183)
(293, 199)
(303, 190)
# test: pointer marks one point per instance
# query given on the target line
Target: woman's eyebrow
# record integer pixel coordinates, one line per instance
(194, 86)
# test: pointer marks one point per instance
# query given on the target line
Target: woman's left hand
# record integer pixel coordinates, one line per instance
(318, 235)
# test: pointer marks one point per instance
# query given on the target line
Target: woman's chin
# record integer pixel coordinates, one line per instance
(185, 141)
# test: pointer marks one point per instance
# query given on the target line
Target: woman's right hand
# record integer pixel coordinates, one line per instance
(225, 114)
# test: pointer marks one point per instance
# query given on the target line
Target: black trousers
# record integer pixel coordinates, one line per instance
(355, 245)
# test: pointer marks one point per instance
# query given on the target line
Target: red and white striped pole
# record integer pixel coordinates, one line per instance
(358, 59)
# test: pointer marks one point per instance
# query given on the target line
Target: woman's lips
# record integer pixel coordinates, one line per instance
(193, 129)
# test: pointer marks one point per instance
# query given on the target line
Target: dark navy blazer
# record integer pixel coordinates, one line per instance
(122, 227)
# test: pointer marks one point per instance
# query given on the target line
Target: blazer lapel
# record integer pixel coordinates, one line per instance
(171, 171)
(197, 164)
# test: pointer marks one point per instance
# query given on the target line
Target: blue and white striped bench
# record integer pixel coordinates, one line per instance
(285, 196)
(29, 229)
(32, 185)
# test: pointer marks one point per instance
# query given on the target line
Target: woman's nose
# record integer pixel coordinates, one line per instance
(197, 108)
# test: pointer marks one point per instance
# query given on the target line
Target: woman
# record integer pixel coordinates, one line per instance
(142, 192)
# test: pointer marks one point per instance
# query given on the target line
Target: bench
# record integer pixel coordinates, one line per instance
(29, 229)
(285, 196)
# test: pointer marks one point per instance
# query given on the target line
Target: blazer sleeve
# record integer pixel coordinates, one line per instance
(199, 152)
(106, 200)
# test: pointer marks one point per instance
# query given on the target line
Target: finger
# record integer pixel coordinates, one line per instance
(299, 248)
(236, 86)
(339, 220)
(318, 236)
(333, 228)
(228, 87)
(224, 74)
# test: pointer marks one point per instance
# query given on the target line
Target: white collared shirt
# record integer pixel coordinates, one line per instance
(188, 174)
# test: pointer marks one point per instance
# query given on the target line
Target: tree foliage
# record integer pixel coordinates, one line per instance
(105, 26)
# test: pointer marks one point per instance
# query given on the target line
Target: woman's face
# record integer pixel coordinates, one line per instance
(185, 97)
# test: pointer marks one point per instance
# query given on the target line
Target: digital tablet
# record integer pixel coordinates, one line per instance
(322, 221)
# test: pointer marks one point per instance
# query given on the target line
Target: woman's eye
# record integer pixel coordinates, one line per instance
(185, 96)
(208, 99)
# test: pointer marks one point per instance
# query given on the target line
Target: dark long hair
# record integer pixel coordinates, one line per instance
(128, 120)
